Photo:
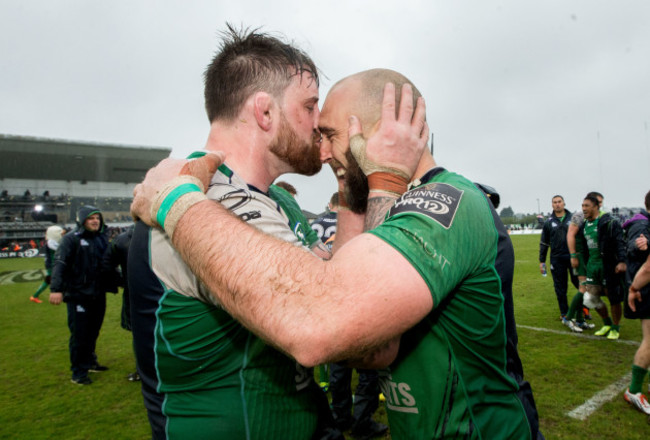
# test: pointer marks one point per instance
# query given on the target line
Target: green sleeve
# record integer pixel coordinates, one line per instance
(297, 220)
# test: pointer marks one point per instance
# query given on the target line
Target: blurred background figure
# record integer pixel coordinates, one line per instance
(53, 237)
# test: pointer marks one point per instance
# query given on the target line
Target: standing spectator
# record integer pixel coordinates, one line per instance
(54, 234)
(117, 256)
(554, 236)
(637, 305)
(76, 281)
(604, 252)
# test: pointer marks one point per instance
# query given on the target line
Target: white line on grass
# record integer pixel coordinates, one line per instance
(578, 335)
(601, 397)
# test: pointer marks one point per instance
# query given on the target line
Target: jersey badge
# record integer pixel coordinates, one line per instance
(439, 201)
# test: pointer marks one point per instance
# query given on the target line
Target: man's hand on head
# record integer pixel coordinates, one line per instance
(145, 194)
(397, 145)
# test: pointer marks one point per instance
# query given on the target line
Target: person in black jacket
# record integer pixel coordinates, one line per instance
(554, 236)
(117, 256)
(76, 281)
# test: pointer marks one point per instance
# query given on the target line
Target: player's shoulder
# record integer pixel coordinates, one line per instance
(440, 197)
(577, 218)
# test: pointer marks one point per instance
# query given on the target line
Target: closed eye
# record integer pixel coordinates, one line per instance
(328, 132)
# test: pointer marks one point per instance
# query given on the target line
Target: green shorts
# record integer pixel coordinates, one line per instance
(581, 270)
(595, 274)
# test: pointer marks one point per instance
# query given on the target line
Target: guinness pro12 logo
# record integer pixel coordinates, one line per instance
(438, 201)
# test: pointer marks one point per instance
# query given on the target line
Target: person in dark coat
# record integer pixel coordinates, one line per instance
(76, 281)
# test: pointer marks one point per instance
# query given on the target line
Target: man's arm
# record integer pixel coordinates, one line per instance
(323, 309)
(319, 249)
(284, 294)
(637, 245)
(571, 244)
(641, 279)
(378, 206)
(544, 244)
(294, 300)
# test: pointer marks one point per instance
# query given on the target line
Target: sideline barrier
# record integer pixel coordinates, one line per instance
(27, 253)
(525, 232)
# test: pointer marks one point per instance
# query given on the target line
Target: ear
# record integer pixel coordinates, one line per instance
(263, 103)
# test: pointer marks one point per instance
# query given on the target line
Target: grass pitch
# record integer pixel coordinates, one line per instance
(37, 400)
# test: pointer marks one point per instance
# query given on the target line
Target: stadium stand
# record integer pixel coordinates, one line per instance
(45, 181)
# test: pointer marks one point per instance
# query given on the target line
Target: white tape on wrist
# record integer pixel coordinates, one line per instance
(174, 199)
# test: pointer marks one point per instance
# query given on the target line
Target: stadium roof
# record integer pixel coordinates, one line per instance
(25, 157)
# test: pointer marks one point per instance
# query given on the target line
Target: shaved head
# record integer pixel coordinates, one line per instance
(361, 95)
(366, 93)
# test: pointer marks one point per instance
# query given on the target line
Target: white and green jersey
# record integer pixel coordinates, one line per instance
(449, 379)
(217, 379)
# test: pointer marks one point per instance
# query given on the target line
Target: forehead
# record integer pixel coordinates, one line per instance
(557, 199)
(337, 107)
(302, 87)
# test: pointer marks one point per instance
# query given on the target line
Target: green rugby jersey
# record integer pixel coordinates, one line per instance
(449, 379)
(591, 235)
(219, 380)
